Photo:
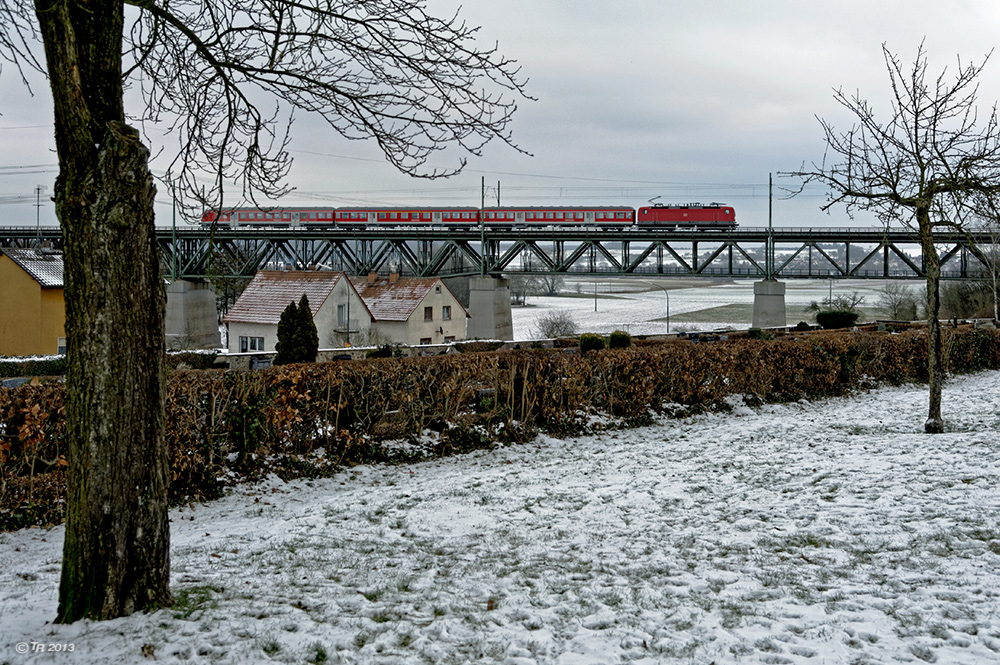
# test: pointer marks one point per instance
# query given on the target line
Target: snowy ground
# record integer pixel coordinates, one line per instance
(831, 532)
(641, 306)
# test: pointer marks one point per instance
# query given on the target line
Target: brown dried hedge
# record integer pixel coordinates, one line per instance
(223, 426)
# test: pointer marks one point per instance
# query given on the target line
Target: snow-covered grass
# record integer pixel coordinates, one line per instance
(832, 532)
(640, 306)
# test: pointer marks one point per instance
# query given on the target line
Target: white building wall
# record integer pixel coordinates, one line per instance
(437, 328)
(331, 333)
(237, 329)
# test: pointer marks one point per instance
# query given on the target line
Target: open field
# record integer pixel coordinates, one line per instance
(830, 532)
(641, 306)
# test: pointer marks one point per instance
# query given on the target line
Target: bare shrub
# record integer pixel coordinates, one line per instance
(557, 323)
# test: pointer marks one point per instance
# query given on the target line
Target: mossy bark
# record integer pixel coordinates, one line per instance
(116, 551)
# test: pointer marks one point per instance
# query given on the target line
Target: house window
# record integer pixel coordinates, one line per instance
(251, 344)
(425, 340)
(446, 312)
(449, 339)
(428, 313)
(341, 316)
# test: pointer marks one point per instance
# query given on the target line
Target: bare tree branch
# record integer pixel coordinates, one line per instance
(933, 165)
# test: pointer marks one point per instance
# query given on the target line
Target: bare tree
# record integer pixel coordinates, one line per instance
(992, 263)
(381, 69)
(557, 323)
(522, 285)
(549, 284)
(899, 301)
(933, 163)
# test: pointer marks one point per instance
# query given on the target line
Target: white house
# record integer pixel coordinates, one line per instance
(413, 311)
(336, 307)
(346, 311)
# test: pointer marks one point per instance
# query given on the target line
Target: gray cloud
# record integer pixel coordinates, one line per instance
(628, 94)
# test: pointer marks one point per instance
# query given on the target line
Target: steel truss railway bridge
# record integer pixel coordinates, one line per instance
(784, 253)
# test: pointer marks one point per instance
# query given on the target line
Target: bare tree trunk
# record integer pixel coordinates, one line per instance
(116, 554)
(116, 551)
(935, 362)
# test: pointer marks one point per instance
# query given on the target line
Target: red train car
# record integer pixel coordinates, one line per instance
(692, 215)
(376, 215)
(251, 217)
(605, 216)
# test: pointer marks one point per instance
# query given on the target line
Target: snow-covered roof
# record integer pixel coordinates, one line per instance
(46, 268)
(389, 300)
(270, 291)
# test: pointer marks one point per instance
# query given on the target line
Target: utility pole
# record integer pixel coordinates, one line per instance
(482, 226)
(173, 239)
(38, 211)
(769, 258)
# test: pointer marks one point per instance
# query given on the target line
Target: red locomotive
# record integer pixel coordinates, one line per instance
(692, 215)
(714, 216)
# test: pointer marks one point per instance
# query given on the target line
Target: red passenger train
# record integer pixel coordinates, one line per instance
(713, 216)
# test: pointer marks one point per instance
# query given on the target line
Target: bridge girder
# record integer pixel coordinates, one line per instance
(798, 253)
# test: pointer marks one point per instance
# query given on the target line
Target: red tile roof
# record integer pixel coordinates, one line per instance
(394, 301)
(269, 293)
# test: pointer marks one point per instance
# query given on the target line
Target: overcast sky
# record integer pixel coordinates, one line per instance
(688, 101)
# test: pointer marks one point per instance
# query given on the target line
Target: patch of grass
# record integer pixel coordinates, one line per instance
(270, 646)
(317, 654)
(190, 600)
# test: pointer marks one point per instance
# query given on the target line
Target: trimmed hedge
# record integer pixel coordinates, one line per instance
(53, 366)
(834, 319)
(224, 426)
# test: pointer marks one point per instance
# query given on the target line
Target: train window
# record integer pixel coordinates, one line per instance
(425, 215)
(393, 215)
(600, 215)
(620, 215)
(381, 215)
(530, 215)
(549, 215)
(560, 215)
(726, 211)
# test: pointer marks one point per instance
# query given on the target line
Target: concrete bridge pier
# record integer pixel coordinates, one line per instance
(192, 317)
(489, 309)
(769, 304)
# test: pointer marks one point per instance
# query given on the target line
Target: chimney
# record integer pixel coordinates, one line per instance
(393, 277)
(372, 277)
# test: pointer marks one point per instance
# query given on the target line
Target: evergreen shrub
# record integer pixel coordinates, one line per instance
(619, 340)
(838, 318)
(591, 342)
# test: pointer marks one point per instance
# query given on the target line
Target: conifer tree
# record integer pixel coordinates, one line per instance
(307, 338)
(287, 325)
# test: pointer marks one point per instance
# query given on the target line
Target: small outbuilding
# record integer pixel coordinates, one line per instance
(32, 309)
